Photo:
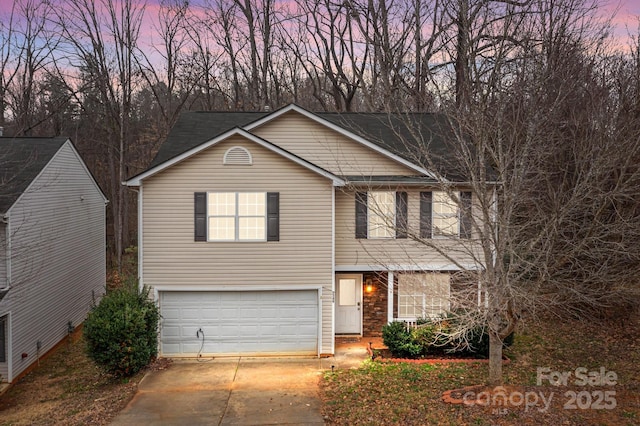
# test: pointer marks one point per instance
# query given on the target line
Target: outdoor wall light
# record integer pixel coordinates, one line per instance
(368, 285)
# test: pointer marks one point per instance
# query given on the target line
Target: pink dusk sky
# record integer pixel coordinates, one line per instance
(625, 21)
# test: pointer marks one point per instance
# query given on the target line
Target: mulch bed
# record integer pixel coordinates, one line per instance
(384, 355)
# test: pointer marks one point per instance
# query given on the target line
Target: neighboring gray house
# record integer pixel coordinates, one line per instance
(272, 232)
(52, 247)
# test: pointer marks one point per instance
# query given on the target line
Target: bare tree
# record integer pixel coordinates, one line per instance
(549, 153)
(102, 40)
(31, 43)
(7, 68)
(335, 58)
(168, 72)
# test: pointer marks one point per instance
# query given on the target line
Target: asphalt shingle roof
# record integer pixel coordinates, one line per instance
(196, 127)
(408, 136)
(21, 160)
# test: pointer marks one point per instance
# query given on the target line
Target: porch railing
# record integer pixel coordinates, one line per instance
(410, 323)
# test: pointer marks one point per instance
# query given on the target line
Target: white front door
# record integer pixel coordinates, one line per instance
(349, 304)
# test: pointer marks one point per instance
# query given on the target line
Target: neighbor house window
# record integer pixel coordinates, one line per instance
(236, 216)
(425, 295)
(3, 339)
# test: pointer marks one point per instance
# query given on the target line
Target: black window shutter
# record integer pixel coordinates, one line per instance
(200, 222)
(466, 224)
(401, 215)
(361, 215)
(273, 216)
(425, 215)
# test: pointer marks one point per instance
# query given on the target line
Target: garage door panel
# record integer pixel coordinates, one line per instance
(239, 322)
(171, 313)
(190, 314)
(229, 313)
(171, 331)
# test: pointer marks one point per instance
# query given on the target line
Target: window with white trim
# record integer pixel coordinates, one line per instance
(382, 212)
(237, 216)
(446, 218)
(423, 295)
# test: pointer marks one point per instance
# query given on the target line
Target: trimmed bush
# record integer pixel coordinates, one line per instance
(398, 339)
(122, 331)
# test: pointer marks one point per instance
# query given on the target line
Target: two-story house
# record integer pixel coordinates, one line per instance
(52, 248)
(273, 232)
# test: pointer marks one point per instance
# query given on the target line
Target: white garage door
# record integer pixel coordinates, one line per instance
(238, 322)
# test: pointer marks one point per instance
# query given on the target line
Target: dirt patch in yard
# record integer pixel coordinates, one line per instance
(67, 388)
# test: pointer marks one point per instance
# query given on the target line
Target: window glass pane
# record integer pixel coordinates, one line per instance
(445, 225)
(222, 228)
(251, 228)
(423, 295)
(381, 213)
(248, 216)
(443, 203)
(251, 203)
(445, 214)
(347, 292)
(222, 204)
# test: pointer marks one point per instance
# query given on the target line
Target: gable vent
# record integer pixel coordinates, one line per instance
(237, 156)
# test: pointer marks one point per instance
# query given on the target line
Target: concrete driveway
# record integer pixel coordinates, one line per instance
(235, 391)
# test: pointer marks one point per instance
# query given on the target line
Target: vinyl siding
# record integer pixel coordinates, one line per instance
(301, 259)
(58, 256)
(393, 253)
(328, 149)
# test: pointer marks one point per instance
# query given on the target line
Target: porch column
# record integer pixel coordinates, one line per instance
(390, 296)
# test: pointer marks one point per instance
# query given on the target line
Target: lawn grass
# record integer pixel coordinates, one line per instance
(410, 394)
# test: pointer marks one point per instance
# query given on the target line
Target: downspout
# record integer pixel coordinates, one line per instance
(7, 238)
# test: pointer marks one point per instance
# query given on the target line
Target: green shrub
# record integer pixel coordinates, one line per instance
(122, 331)
(398, 339)
(434, 337)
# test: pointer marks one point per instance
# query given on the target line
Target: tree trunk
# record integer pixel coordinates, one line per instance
(495, 359)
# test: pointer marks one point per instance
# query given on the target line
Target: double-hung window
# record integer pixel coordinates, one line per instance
(381, 214)
(384, 214)
(237, 216)
(443, 216)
